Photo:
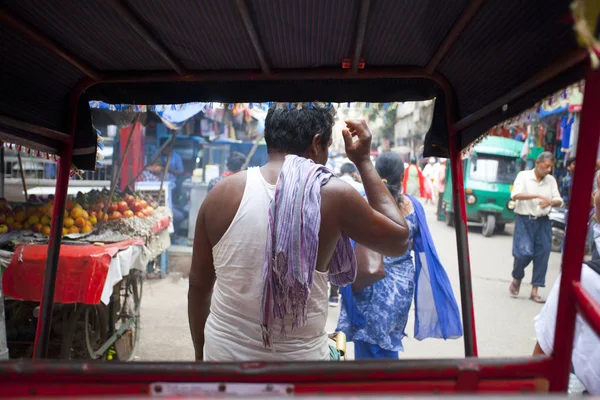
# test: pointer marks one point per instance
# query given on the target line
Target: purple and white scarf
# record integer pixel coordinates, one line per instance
(293, 243)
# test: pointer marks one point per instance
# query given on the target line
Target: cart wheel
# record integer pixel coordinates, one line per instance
(85, 332)
(489, 225)
(131, 298)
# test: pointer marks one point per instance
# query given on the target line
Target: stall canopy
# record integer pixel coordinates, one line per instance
(490, 59)
(172, 115)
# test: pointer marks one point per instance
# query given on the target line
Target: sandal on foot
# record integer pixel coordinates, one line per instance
(514, 288)
(537, 299)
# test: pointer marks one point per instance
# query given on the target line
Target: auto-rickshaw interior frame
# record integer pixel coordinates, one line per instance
(144, 66)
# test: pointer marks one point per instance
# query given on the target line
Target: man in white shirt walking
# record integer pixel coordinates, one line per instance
(535, 192)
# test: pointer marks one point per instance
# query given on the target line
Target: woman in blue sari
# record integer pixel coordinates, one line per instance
(375, 319)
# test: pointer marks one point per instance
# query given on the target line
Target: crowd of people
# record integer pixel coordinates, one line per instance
(264, 295)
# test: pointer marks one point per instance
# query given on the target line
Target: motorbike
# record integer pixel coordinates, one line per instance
(559, 223)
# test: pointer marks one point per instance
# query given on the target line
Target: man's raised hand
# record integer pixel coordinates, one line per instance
(358, 151)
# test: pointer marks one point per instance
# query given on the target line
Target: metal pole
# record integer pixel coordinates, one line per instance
(22, 175)
(166, 169)
(117, 173)
(252, 151)
(462, 245)
(587, 148)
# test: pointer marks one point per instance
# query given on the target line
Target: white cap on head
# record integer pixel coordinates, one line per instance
(441, 159)
(432, 160)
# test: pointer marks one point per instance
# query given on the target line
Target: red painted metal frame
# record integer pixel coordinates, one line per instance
(587, 150)
(466, 374)
(44, 323)
(587, 306)
(468, 371)
(462, 246)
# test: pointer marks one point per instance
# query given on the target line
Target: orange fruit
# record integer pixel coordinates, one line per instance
(76, 213)
(93, 220)
(45, 220)
(73, 229)
(65, 231)
(26, 225)
(78, 206)
(69, 222)
(16, 226)
(10, 221)
(84, 214)
(20, 216)
(34, 219)
(45, 230)
(80, 222)
(87, 228)
(128, 214)
(69, 205)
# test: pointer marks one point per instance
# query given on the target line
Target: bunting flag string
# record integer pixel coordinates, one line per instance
(235, 106)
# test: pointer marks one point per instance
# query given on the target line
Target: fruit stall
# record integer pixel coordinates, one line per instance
(108, 241)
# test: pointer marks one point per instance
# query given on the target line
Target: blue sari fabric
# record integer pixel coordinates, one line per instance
(375, 319)
(436, 310)
(381, 309)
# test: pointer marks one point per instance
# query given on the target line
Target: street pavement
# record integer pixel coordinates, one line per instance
(504, 324)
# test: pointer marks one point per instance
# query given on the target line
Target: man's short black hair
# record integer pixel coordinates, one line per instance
(348, 168)
(235, 161)
(291, 130)
(569, 162)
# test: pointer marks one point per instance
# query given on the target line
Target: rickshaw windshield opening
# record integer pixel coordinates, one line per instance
(494, 169)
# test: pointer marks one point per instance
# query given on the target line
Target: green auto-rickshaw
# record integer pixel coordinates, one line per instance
(489, 172)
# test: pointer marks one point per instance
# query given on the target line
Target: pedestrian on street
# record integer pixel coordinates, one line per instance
(567, 181)
(350, 175)
(375, 318)
(535, 192)
(414, 182)
(268, 240)
(440, 185)
(235, 162)
(430, 173)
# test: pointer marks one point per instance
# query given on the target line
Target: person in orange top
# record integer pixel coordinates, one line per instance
(414, 182)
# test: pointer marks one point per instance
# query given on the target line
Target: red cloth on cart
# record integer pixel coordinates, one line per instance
(82, 271)
(134, 159)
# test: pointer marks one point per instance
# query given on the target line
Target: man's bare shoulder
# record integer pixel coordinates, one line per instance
(227, 189)
(337, 187)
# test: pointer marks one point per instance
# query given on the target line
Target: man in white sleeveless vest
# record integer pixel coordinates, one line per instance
(226, 300)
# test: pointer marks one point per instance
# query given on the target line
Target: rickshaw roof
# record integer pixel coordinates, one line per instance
(474, 56)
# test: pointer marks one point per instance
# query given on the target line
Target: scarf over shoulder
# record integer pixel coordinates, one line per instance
(293, 243)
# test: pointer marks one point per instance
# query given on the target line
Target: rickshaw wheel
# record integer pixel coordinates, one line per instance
(130, 301)
(489, 225)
